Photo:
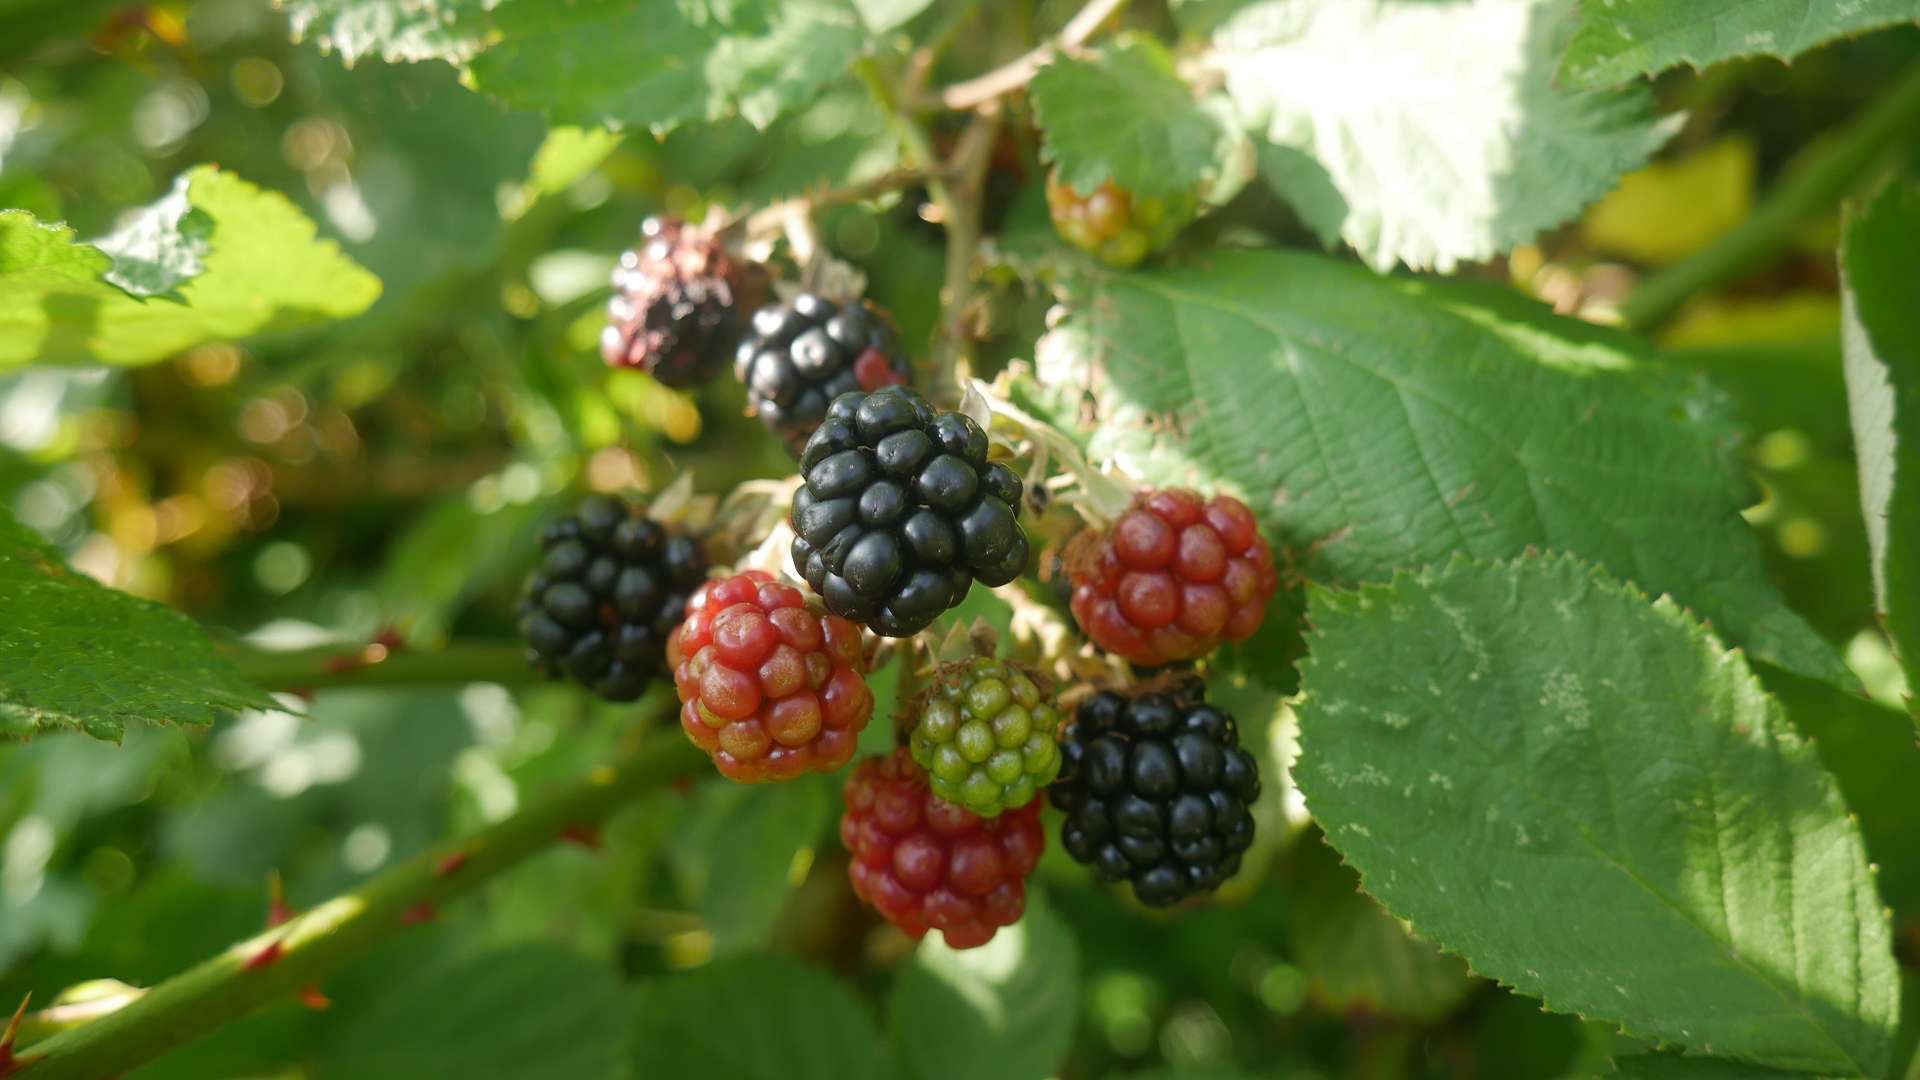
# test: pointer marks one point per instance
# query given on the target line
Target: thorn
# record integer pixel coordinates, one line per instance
(312, 998)
(266, 957)
(587, 836)
(278, 911)
(8, 1063)
(683, 785)
(424, 911)
(451, 863)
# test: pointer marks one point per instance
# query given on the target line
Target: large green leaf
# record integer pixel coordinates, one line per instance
(1675, 1067)
(1123, 115)
(764, 1018)
(392, 30)
(1435, 159)
(1620, 39)
(75, 653)
(261, 270)
(1005, 1009)
(521, 1013)
(1582, 793)
(1374, 425)
(1881, 334)
(660, 63)
(736, 857)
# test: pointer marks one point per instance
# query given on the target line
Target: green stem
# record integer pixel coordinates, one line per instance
(1824, 179)
(321, 669)
(308, 947)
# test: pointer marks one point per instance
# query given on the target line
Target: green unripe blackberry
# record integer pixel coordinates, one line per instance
(986, 736)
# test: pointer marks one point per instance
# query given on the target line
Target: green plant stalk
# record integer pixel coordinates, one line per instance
(274, 965)
(1817, 184)
(502, 662)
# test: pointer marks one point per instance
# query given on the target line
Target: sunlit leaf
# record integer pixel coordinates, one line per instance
(1621, 39)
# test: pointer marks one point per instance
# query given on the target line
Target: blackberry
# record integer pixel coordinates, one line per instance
(1114, 225)
(925, 863)
(1156, 790)
(1174, 578)
(676, 304)
(799, 356)
(901, 512)
(985, 734)
(611, 586)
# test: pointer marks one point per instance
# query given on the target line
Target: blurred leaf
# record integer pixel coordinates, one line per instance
(1374, 425)
(735, 857)
(160, 247)
(883, 15)
(1495, 744)
(393, 30)
(1622, 39)
(1675, 1067)
(1881, 333)
(1005, 1009)
(660, 63)
(452, 551)
(1671, 209)
(530, 1011)
(567, 154)
(1358, 956)
(264, 271)
(1376, 96)
(1123, 115)
(761, 1018)
(75, 653)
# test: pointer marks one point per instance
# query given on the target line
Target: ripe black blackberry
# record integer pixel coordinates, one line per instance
(611, 587)
(1156, 790)
(799, 356)
(677, 304)
(901, 512)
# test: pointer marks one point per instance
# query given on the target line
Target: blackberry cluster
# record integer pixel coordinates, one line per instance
(925, 863)
(676, 304)
(1114, 225)
(901, 511)
(1156, 790)
(798, 357)
(769, 685)
(611, 586)
(985, 735)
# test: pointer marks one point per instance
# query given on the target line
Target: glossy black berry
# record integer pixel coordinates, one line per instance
(796, 358)
(611, 586)
(677, 304)
(901, 512)
(1156, 790)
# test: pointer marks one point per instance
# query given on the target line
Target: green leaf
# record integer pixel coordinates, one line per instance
(1358, 956)
(736, 859)
(1435, 160)
(520, 1013)
(761, 1018)
(261, 270)
(1375, 424)
(1007, 1008)
(1675, 1067)
(1881, 335)
(162, 246)
(883, 15)
(1588, 798)
(392, 30)
(1621, 39)
(660, 63)
(1123, 115)
(75, 653)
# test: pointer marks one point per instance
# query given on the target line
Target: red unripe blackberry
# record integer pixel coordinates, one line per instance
(770, 686)
(926, 864)
(678, 304)
(1173, 578)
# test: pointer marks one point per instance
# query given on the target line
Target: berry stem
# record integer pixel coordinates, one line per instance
(313, 944)
(378, 665)
(1012, 76)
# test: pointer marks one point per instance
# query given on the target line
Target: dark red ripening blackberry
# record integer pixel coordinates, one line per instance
(1156, 790)
(678, 304)
(799, 356)
(901, 512)
(611, 587)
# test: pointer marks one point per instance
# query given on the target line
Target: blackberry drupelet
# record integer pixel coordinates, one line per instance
(985, 734)
(799, 356)
(1156, 790)
(677, 304)
(611, 587)
(901, 512)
